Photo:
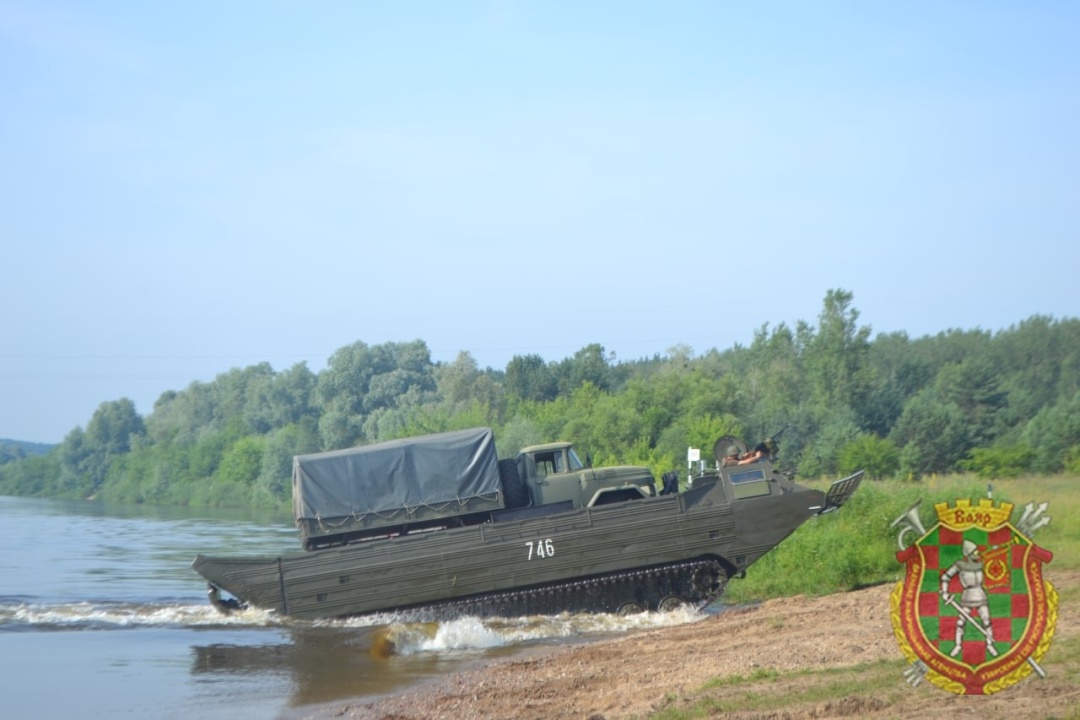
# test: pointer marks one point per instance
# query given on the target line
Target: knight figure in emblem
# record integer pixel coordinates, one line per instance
(973, 600)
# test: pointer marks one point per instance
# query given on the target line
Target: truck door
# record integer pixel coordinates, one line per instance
(556, 477)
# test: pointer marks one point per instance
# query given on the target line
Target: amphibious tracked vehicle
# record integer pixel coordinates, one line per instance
(439, 527)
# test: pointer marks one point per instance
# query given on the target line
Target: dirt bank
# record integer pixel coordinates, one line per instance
(800, 657)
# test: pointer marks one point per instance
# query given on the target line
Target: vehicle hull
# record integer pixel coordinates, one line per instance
(521, 553)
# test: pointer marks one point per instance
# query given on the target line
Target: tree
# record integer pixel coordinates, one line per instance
(278, 400)
(772, 372)
(932, 435)
(1052, 432)
(519, 432)
(235, 390)
(183, 417)
(529, 378)
(835, 358)
(274, 484)
(822, 456)
(359, 380)
(877, 456)
(897, 371)
(1040, 362)
(108, 435)
(461, 384)
(241, 463)
(339, 429)
(974, 386)
(113, 426)
(588, 365)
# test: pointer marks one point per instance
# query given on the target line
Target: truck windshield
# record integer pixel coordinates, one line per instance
(575, 461)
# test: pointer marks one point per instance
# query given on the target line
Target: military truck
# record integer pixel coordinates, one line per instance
(445, 480)
(439, 527)
(553, 473)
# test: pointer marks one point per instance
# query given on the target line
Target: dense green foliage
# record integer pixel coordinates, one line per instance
(997, 404)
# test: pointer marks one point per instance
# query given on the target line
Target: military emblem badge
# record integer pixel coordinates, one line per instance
(974, 614)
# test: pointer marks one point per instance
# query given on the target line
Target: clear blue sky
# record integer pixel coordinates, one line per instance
(191, 187)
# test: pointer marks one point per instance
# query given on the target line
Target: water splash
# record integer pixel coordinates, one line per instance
(391, 634)
(471, 633)
(27, 616)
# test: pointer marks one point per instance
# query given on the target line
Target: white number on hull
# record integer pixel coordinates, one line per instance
(540, 548)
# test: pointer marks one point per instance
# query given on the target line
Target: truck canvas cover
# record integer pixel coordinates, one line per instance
(395, 483)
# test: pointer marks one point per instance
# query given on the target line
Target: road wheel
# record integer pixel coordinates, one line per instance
(670, 602)
(630, 608)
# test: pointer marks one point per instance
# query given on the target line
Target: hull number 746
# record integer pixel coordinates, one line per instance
(540, 548)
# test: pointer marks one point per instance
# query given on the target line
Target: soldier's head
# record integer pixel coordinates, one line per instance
(970, 550)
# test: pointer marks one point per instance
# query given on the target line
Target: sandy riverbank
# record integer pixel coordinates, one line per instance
(833, 656)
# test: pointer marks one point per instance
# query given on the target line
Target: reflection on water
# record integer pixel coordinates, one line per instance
(321, 664)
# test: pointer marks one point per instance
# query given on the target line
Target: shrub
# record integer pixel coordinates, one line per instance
(877, 456)
(1003, 461)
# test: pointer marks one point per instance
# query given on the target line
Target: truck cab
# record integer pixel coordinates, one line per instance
(553, 473)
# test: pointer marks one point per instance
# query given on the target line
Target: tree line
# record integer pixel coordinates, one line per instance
(998, 404)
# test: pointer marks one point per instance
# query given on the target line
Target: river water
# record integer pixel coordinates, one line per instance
(102, 617)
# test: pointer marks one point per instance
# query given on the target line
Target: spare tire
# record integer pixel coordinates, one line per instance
(515, 494)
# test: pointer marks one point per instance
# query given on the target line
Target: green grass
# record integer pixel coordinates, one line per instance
(759, 674)
(767, 690)
(856, 547)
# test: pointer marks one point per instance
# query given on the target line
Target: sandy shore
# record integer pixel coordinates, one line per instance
(833, 656)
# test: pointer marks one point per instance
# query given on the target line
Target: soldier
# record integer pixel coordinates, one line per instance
(763, 449)
(973, 600)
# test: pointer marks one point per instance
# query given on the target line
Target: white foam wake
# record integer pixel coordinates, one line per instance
(119, 615)
(471, 633)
